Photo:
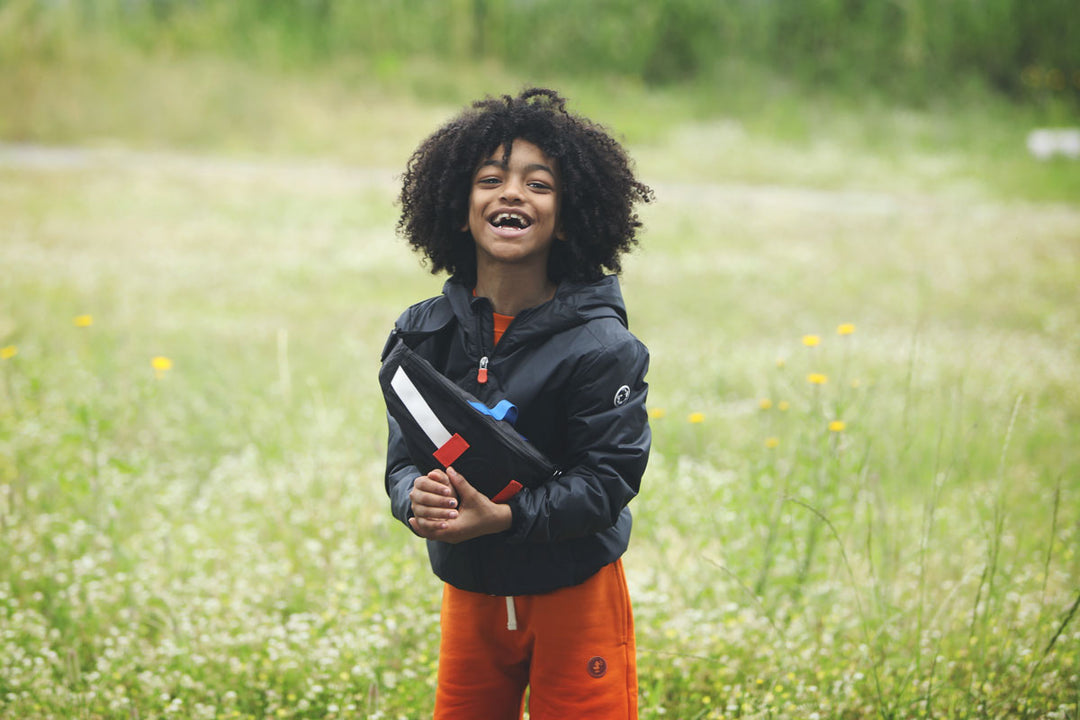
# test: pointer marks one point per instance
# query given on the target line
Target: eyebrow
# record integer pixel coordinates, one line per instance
(505, 166)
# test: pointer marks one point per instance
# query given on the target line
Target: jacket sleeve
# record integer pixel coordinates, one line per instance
(608, 442)
(400, 473)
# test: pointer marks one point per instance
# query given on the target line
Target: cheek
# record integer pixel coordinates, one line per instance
(472, 212)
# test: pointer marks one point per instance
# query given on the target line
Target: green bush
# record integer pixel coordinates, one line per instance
(918, 48)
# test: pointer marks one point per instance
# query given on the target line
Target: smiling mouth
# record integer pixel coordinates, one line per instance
(510, 220)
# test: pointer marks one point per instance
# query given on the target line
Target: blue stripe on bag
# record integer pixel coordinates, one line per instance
(503, 410)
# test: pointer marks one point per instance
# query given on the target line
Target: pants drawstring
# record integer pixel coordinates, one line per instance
(511, 614)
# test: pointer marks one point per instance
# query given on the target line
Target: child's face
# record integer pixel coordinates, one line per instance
(514, 208)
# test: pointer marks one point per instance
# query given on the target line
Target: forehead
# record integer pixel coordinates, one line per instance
(520, 154)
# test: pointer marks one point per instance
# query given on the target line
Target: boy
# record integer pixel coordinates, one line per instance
(525, 205)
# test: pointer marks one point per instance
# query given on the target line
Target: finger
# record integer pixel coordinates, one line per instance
(431, 528)
(419, 498)
(459, 483)
(433, 487)
(428, 512)
(438, 476)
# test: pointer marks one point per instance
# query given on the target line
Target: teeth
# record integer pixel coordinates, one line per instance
(505, 217)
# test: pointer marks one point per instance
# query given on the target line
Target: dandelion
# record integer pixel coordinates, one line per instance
(161, 365)
(817, 379)
(657, 413)
(6, 353)
(811, 340)
(780, 362)
(837, 426)
(83, 321)
(696, 417)
(772, 442)
(783, 406)
(845, 329)
(765, 403)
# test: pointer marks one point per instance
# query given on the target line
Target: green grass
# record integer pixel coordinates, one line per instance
(213, 540)
(746, 125)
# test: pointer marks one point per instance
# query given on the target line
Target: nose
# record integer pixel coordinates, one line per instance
(512, 189)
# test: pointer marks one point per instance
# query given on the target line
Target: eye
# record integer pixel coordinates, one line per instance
(540, 185)
(489, 180)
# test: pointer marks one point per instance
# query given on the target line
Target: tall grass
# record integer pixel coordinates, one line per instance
(862, 500)
(918, 49)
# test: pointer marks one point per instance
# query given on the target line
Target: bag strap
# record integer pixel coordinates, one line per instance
(439, 322)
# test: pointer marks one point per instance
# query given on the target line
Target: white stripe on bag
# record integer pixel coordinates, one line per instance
(419, 409)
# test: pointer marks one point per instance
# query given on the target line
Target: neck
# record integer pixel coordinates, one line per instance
(511, 292)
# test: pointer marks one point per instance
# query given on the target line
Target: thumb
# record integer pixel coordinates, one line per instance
(463, 487)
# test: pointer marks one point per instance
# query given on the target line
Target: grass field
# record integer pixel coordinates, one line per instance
(864, 495)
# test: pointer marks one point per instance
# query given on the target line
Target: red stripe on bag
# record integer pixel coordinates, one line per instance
(451, 450)
(512, 489)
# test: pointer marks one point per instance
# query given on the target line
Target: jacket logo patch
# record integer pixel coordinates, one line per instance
(597, 667)
(622, 395)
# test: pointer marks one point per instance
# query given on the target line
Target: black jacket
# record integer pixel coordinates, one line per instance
(577, 376)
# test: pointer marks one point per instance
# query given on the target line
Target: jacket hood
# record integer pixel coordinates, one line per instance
(575, 303)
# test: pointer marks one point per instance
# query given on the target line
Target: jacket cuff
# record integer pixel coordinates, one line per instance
(517, 530)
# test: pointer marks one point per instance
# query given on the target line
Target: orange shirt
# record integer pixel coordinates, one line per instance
(501, 323)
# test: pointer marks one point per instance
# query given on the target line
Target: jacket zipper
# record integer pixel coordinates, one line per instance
(481, 373)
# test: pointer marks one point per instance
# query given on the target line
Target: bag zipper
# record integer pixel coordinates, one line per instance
(525, 451)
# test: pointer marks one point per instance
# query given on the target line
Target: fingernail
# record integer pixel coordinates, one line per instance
(452, 503)
(453, 514)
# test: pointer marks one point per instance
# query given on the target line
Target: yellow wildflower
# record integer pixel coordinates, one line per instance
(811, 340)
(6, 353)
(837, 426)
(845, 329)
(657, 413)
(856, 383)
(765, 403)
(783, 406)
(772, 442)
(83, 320)
(780, 362)
(817, 379)
(696, 417)
(161, 365)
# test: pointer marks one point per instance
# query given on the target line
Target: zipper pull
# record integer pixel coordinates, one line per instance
(481, 374)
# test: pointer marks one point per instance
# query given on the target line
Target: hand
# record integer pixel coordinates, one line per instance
(447, 508)
(434, 501)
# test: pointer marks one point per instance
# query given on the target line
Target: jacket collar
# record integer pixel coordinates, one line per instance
(574, 303)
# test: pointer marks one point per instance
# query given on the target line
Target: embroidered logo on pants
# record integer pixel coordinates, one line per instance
(597, 667)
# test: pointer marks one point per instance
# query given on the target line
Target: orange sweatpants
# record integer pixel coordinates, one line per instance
(573, 648)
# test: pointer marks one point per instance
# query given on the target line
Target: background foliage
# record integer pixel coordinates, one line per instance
(858, 288)
(917, 48)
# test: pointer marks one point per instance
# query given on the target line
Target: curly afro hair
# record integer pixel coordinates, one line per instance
(598, 187)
